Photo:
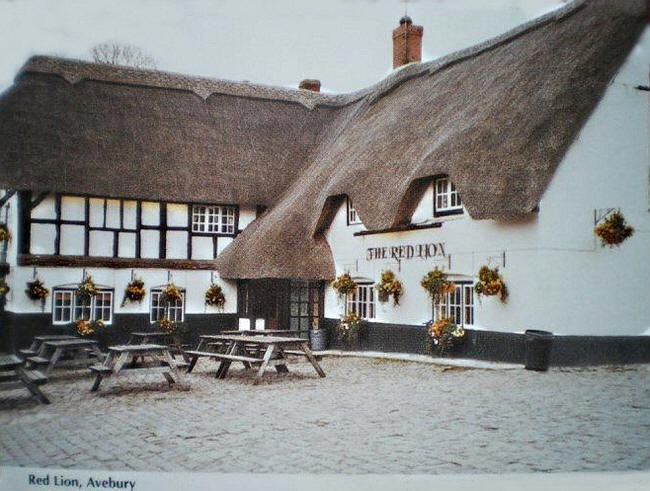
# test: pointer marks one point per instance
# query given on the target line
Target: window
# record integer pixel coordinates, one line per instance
(457, 306)
(175, 311)
(353, 216)
(446, 198)
(213, 219)
(362, 301)
(67, 307)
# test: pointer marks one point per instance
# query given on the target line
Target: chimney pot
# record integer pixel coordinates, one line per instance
(310, 84)
(407, 42)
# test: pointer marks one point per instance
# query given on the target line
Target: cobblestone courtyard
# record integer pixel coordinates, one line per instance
(367, 416)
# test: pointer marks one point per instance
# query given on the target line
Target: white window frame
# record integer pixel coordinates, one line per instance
(457, 304)
(214, 219)
(176, 308)
(444, 191)
(74, 306)
(353, 216)
(363, 301)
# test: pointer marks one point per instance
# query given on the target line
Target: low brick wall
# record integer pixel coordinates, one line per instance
(17, 330)
(503, 347)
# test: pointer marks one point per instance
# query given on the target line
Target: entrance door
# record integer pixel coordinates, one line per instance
(305, 305)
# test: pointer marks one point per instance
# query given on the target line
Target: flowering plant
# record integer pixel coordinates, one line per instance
(170, 326)
(4, 289)
(214, 296)
(613, 230)
(389, 285)
(86, 289)
(87, 328)
(5, 235)
(170, 294)
(349, 329)
(491, 283)
(344, 284)
(445, 334)
(37, 291)
(437, 284)
(134, 291)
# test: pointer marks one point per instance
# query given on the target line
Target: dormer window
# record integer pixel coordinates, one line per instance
(446, 200)
(353, 216)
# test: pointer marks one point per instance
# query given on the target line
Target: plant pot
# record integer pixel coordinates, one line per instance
(318, 339)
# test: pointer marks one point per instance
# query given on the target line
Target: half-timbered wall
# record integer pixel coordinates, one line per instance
(103, 227)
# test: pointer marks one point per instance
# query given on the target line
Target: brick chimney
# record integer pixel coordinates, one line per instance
(310, 84)
(407, 42)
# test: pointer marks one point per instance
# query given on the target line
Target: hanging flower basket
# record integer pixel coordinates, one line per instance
(87, 289)
(134, 292)
(437, 284)
(5, 235)
(170, 294)
(86, 328)
(4, 289)
(349, 329)
(214, 296)
(389, 285)
(490, 283)
(613, 230)
(37, 291)
(445, 335)
(344, 284)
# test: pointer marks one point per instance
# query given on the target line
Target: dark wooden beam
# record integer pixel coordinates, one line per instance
(7, 197)
(38, 200)
(24, 222)
(112, 262)
(399, 228)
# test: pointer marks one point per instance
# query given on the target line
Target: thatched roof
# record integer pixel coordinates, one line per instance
(497, 118)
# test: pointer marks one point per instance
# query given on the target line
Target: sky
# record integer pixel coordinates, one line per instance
(344, 43)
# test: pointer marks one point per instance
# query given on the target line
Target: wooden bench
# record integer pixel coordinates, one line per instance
(14, 376)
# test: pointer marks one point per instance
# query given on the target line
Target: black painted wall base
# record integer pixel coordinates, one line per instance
(17, 330)
(502, 347)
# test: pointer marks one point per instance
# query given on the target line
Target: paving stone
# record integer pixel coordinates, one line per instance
(366, 416)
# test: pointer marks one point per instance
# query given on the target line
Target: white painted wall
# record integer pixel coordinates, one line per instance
(559, 277)
(195, 283)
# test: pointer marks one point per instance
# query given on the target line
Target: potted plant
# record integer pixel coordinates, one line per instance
(389, 285)
(134, 291)
(613, 230)
(86, 289)
(349, 330)
(175, 329)
(37, 291)
(437, 284)
(86, 328)
(214, 296)
(344, 285)
(169, 294)
(491, 283)
(445, 335)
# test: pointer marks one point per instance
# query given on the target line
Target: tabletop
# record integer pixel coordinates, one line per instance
(9, 361)
(137, 348)
(70, 343)
(54, 337)
(144, 334)
(259, 332)
(255, 339)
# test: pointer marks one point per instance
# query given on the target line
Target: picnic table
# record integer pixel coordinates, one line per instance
(35, 347)
(77, 348)
(157, 356)
(14, 376)
(237, 349)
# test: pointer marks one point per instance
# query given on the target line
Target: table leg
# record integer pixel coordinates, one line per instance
(55, 358)
(225, 364)
(281, 356)
(265, 362)
(31, 387)
(312, 360)
(174, 372)
(108, 361)
(121, 361)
